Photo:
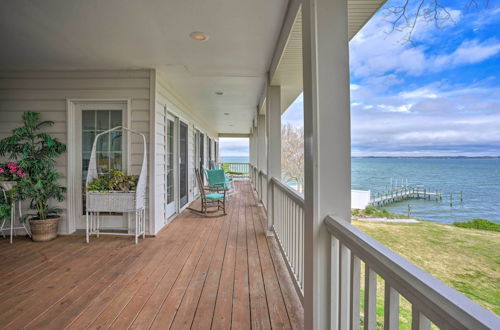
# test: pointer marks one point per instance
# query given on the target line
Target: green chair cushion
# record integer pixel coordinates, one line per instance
(215, 177)
(214, 196)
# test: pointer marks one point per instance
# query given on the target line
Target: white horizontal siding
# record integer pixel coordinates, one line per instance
(167, 101)
(47, 92)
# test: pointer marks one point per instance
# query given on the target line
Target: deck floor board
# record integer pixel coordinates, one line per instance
(198, 273)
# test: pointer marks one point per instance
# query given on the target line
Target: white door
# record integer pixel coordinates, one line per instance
(93, 118)
(170, 168)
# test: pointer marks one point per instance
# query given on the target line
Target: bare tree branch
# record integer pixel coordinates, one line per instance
(406, 16)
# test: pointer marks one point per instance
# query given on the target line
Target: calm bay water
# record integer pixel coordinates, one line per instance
(478, 179)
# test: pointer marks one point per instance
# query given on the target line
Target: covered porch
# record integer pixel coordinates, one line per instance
(279, 259)
(200, 273)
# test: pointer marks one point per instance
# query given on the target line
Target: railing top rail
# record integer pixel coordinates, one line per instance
(242, 163)
(290, 192)
(444, 306)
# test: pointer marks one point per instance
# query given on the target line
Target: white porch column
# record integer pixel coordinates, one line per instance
(261, 156)
(255, 137)
(327, 150)
(273, 133)
(262, 149)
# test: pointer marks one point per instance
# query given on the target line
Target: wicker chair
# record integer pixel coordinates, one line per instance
(211, 196)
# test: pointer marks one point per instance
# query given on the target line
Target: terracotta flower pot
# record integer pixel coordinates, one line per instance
(44, 230)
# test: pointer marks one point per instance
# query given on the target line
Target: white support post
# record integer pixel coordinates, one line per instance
(327, 146)
(256, 143)
(252, 146)
(260, 153)
(273, 130)
(262, 149)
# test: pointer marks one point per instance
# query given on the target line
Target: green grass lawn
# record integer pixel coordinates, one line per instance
(465, 259)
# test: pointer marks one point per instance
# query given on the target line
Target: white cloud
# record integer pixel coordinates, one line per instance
(391, 108)
(453, 121)
(376, 52)
(418, 94)
(469, 52)
(234, 147)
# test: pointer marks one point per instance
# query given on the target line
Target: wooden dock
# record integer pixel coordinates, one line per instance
(394, 195)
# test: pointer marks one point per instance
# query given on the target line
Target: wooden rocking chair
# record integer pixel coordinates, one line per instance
(211, 196)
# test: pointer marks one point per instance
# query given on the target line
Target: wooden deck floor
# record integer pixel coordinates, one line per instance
(198, 273)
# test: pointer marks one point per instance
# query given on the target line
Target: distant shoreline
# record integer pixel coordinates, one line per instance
(396, 157)
(429, 157)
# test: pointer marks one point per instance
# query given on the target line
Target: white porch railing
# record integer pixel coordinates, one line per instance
(243, 168)
(259, 182)
(288, 217)
(431, 300)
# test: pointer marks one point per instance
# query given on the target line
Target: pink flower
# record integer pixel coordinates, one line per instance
(2, 171)
(12, 166)
(21, 174)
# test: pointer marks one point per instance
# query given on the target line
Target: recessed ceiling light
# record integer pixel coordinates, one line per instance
(226, 113)
(219, 92)
(231, 125)
(199, 36)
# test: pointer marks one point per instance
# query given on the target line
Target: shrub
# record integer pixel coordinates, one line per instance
(479, 224)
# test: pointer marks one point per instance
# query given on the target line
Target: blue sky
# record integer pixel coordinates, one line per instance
(436, 96)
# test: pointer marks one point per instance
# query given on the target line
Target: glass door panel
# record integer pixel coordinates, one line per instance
(183, 164)
(169, 169)
(202, 150)
(109, 153)
(210, 164)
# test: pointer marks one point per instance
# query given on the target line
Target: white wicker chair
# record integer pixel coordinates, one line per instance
(116, 201)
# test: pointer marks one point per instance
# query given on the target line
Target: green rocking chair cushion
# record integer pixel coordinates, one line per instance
(214, 196)
(216, 177)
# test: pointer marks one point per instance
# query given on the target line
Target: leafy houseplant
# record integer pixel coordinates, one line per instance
(36, 152)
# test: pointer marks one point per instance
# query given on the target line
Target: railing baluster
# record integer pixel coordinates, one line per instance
(289, 230)
(355, 290)
(370, 317)
(334, 283)
(294, 233)
(418, 320)
(302, 223)
(345, 286)
(391, 308)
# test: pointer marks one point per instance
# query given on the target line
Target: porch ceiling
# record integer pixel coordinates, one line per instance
(129, 34)
(288, 72)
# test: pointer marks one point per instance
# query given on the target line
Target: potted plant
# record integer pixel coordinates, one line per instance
(10, 174)
(36, 152)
